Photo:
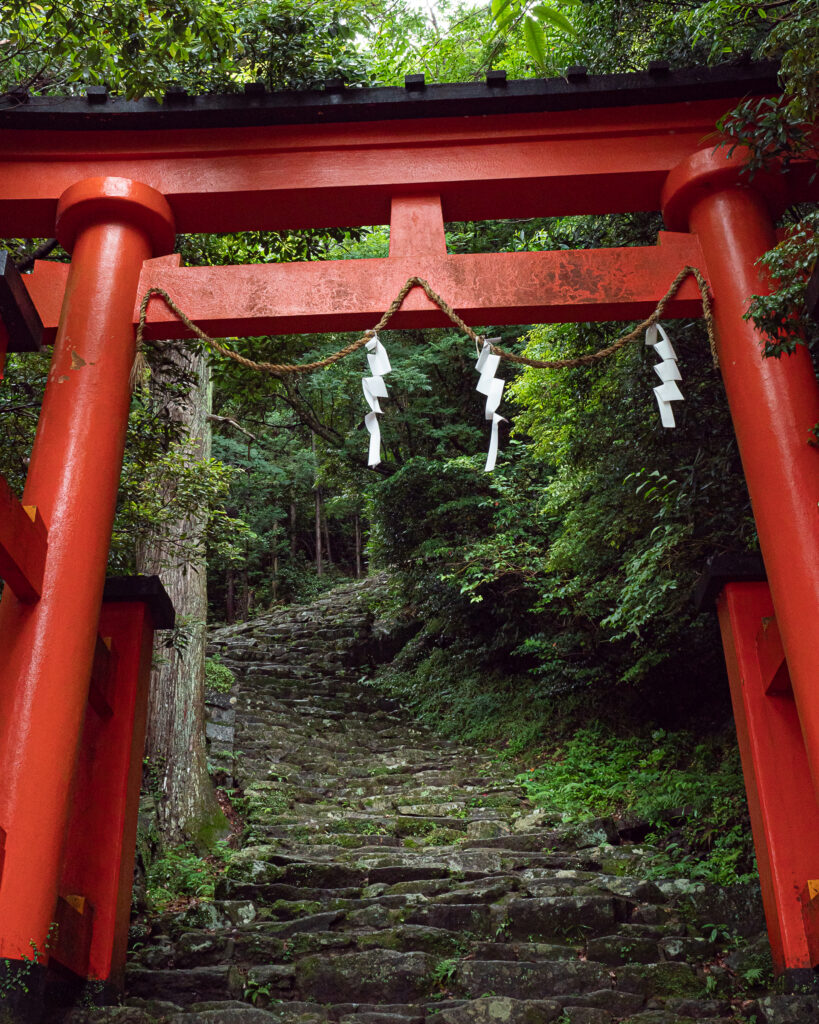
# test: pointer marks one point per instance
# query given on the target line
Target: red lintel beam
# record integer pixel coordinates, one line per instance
(294, 177)
(348, 295)
(23, 543)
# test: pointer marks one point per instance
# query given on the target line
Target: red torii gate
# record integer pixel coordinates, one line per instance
(116, 180)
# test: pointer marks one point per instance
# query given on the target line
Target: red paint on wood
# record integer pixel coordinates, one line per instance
(417, 226)
(781, 801)
(74, 918)
(347, 295)
(23, 546)
(101, 837)
(279, 177)
(103, 674)
(73, 479)
(774, 404)
(771, 655)
(810, 916)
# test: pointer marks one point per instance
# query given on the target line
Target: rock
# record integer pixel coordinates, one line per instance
(274, 977)
(486, 829)
(184, 986)
(560, 917)
(618, 1003)
(529, 980)
(197, 949)
(755, 956)
(591, 833)
(453, 917)
(377, 975)
(502, 1010)
(587, 1015)
(783, 1009)
(156, 1007)
(246, 1015)
(622, 949)
(112, 1014)
(657, 1017)
(738, 907)
(683, 948)
(223, 733)
(699, 1008)
(536, 819)
(665, 979)
(371, 1017)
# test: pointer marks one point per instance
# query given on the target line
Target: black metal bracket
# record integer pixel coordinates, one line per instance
(722, 569)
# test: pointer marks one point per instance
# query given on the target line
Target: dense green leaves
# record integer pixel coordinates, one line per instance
(137, 48)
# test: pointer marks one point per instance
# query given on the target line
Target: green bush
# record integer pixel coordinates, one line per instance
(182, 872)
(690, 792)
(218, 676)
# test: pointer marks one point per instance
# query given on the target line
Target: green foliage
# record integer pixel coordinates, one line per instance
(255, 990)
(139, 48)
(537, 21)
(181, 874)
(218, 676)
(443, 974)
(172, 485)
(17, 974)
(781, 314)
(690, 792)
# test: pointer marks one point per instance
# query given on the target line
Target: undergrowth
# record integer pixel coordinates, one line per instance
(181, 875)
(688, 791)
(218, 676)
(585, 759)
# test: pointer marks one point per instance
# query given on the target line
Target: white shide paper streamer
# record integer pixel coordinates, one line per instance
(667, 371)
(491, 386)
(375, 388)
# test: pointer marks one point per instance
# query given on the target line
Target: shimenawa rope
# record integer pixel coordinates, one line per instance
(282, 369)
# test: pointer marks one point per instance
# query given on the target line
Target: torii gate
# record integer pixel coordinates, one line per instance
(116, 180)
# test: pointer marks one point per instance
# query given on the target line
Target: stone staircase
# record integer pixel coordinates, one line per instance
(387, 876)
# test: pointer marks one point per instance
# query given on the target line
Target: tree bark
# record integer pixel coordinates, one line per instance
(317, 490)
(326, 536)
(357, 522)
(175, 741)
(230, 596)
(244, 597)
(294, 540)
(319, 569)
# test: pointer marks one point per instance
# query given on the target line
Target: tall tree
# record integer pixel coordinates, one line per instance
(175, 549)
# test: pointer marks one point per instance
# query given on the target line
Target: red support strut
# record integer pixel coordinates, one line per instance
(784, 811)
(112, 225)
(774, 404)
(101, 838)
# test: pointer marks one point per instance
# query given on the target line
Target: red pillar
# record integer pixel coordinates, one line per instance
(773, 402)
(112, 225)
(784, 812)
(98, 865)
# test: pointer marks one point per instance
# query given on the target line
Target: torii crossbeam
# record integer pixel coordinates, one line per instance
(116, 180)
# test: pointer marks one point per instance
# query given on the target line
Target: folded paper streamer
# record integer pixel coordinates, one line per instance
(375, 388)
(491, 386)
(667, 371)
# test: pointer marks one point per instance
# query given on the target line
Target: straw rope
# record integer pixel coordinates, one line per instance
(283, 369)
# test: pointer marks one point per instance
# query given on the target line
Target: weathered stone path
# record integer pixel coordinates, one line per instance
(389, 877)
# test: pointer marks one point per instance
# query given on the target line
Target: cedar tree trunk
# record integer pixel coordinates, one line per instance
(175, 741)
